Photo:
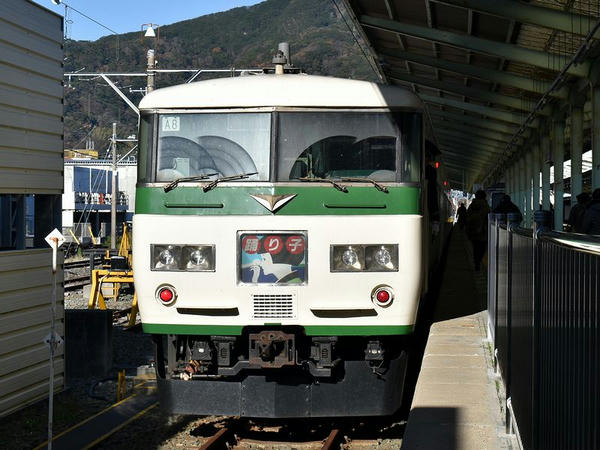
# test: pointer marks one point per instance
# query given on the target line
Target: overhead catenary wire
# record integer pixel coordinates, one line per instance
(96, 22)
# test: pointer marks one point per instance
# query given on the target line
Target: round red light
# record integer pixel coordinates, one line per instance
(166, 295)
(437, 165)
(383, 296)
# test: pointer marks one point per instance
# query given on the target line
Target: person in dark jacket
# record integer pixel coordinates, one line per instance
(591, 218)
(477, 230)
(461, 215)
(506, 206)
(577, 213)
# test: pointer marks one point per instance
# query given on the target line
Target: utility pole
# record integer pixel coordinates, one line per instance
(151, 64)
(115, 194)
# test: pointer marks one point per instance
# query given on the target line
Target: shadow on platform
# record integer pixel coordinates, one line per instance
(436, 428)
(462, 291)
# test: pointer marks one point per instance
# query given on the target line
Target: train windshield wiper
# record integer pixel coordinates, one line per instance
(338, 186)
(239, 176)
(173, 184)
(378, 186)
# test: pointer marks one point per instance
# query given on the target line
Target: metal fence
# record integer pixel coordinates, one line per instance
(544, 320)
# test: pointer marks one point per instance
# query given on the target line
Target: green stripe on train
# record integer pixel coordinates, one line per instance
(309, 200)
(311, 330)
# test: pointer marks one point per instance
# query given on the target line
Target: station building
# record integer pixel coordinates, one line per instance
(31, 184)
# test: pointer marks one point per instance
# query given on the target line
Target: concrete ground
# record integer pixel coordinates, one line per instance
(458, 402)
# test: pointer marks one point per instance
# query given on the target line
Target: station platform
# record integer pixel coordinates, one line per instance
(458, 400)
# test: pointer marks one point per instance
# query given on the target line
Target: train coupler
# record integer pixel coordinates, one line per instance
(272, 349)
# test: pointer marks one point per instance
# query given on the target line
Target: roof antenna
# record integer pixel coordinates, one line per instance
(280, 59)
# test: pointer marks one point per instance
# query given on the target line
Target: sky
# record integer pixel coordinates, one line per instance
(124, 16)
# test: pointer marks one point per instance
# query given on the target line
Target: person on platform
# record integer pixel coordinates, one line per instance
(577, 213)
(461, 216)
(506, 206)
(591, 218)
(477, 230)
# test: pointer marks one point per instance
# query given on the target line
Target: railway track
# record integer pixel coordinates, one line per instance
(309, 434)
(229, 437)
(81, 264)
(77, 282)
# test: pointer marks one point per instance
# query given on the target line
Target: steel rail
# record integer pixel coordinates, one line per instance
(217, 440)
(334, 440)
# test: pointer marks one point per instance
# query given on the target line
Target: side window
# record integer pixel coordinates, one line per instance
(411, 125)
(144, 147)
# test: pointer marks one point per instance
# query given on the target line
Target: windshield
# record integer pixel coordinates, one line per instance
(376, 146)
(226, 144)
(345, 144)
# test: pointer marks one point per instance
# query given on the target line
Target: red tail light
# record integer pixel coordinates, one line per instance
(166, 295)
(382, 295)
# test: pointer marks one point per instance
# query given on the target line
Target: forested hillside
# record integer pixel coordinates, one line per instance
(244, 37)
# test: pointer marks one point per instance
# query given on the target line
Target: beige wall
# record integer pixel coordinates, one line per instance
(31, 74)
(31, 161)
(25, 294)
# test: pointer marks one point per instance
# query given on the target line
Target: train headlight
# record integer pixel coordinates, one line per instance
(165, 257)
(175, 258)
(200, 258)
(381, 258)
(364, 258)
(347, 258)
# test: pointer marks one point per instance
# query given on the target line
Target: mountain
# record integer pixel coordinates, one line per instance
(245, 37)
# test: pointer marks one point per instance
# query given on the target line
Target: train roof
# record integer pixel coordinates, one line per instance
(291, 90)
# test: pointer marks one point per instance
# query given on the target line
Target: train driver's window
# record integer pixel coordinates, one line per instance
(337, 145)
(224, 144)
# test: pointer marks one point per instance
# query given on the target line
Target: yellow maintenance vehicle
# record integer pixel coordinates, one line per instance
(116, 270)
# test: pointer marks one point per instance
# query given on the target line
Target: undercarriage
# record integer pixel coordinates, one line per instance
(281, 372)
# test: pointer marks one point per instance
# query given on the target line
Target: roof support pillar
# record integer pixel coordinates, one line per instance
(514, 184)
(509, 182)
(558, 155)
(522, 187)
(576, 151)
(546, 163)
(537, 168)
(577, 102)
(529, 187)
(596, 136)
(517, 185)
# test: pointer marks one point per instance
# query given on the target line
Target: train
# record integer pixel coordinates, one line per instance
(284, 226)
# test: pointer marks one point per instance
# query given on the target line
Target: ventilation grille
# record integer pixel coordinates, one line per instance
(278, 306)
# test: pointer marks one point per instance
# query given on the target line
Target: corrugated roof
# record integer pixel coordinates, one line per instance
(480, 66)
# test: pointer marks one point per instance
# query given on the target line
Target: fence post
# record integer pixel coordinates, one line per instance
(513, 222)
(542, 222)
(500, 219)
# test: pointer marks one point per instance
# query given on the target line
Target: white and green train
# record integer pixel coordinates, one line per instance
(280, 243)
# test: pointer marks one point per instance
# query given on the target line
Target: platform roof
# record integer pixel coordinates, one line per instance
(480, 66)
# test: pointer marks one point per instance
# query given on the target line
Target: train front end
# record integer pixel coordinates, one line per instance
(278, 244)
